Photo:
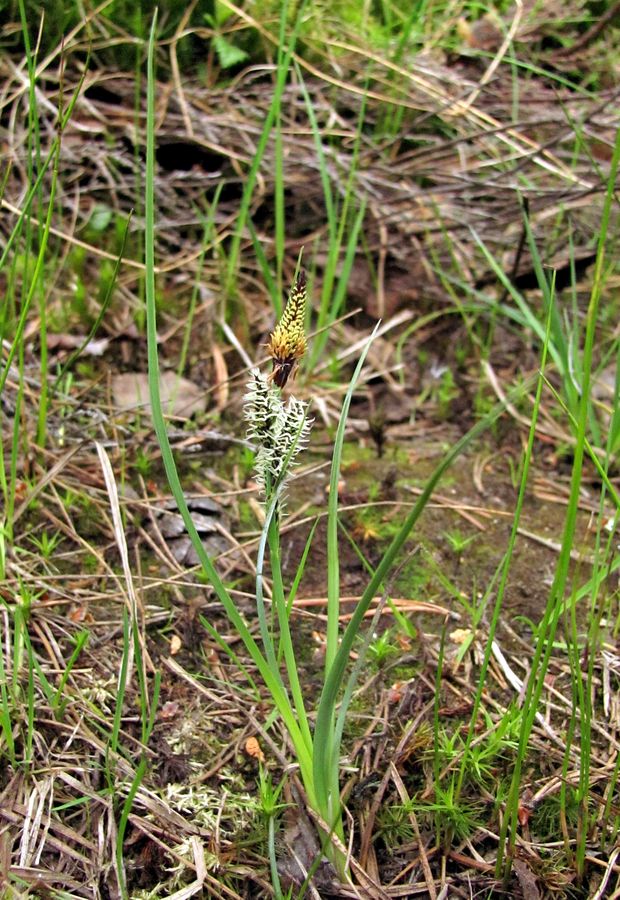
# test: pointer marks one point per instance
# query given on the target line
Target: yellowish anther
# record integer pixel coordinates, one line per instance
(288, 343)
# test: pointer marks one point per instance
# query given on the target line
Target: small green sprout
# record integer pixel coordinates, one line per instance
(458, 541)
(46, 543)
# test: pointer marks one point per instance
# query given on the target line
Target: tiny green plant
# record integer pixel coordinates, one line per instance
(143, 461)
(46, 543)
(458, 541)
(383, 648)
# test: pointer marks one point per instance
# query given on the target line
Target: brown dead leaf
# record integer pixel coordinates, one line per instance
(180, 398)
(253, 749)
(21, 489)
(93, 347)
(485, 34)
(404, 642)
(300, 852)
(221, 391)
(81, 614)
(395, 693)
(170, 710)
(460, 709)
(527, 880)
(523, 815)
(210, 521)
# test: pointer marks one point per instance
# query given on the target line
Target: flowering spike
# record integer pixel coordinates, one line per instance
(280, 431)
(261, 408)
(291, 434)
(262, 411)
(287, 343)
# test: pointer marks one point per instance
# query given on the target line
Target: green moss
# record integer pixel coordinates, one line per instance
(546, 819)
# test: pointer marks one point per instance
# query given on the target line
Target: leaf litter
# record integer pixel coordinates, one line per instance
(193, 824)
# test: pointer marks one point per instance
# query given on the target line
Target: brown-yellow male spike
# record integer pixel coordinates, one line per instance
(288, 343)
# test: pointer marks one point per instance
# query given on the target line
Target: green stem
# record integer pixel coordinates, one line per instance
(279, 599)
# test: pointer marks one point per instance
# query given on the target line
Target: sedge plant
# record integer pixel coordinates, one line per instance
(279, 430)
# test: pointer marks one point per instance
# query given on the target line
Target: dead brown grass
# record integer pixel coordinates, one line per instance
(193, 828)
